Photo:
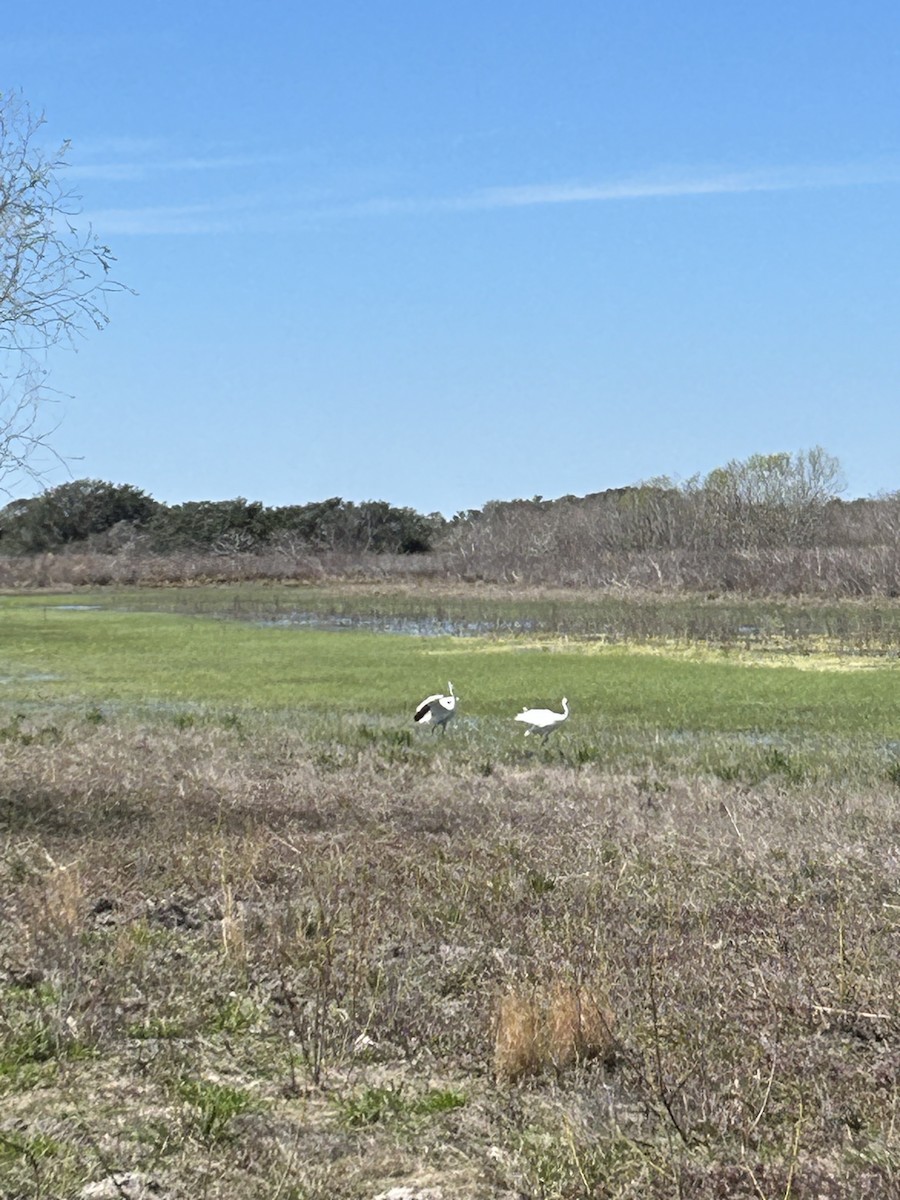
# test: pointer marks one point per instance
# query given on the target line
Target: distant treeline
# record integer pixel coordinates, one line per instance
(109, 516)
(773, 523)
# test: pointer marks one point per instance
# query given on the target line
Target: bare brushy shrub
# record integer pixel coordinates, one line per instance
(133, 567)
(550, 1028)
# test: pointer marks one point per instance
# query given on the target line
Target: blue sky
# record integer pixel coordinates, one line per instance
(444, 253)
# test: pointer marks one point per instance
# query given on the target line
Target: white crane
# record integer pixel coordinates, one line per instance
(543, 720)
(436, 710)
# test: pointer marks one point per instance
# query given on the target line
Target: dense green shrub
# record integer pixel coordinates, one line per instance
(71, 512)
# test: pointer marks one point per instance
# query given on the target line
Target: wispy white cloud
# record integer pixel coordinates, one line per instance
(669, 185)
(272, 211)
(163, 219)
(145, 168)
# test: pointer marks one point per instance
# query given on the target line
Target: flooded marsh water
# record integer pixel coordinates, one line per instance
(850, 630)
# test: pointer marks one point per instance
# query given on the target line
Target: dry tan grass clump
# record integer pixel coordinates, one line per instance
(550, 1027)
(60, 907)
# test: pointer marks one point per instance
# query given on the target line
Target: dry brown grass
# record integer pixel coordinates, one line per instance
(73, 568)
(550, 1028)
(244, 962)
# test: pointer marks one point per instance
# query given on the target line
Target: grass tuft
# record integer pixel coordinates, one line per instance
(211, 1108)
(550, 1028)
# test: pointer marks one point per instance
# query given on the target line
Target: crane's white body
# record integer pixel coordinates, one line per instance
(543, 720)
(436, 710)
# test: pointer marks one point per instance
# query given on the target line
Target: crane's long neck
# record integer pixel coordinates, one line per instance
(565, 707)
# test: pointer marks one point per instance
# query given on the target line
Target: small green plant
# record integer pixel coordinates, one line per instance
(12, 731)
(155, 1027)
(755, 765)
(584, 753)
(439, 1101)
(20, 731)
(375, 1105)
(560, 1166)
(728, 772)
(25, 1162)
(35, 1036)
(550, 1166)
(372, 1105)
(776, 762)
(211, 1107)
(27, 1045)
(15, 1146)
(541, 883)
(235, 1014)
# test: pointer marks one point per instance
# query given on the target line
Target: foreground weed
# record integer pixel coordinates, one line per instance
(211, 1107)
(373, 1105)
(558, 1165)
(757, 765)
(439, 1101)
(554, 1028)
(64, 902)
(28, 1163)
(234, 941)
(21, 731)
(541, 883)
(37, 1032)
(155, 1028)
(322, 945)
(236, 1014)
(15, 1146)
(25, 1051)
(312, 1023)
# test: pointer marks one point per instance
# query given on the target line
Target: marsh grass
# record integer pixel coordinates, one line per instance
(735, 623)
(269, 950)
(214, 943)
(201, 670)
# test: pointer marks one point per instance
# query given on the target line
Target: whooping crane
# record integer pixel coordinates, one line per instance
(543, 720)
(436, 710)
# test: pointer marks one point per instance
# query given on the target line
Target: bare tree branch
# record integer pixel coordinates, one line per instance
(54, 281)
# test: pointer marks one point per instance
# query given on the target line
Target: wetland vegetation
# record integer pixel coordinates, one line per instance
(262, 937)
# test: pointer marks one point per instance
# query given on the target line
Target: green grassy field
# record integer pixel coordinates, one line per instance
(102, 653)
(631, 704)
(261, 937)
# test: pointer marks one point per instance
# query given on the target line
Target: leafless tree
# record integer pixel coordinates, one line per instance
(54, 279)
